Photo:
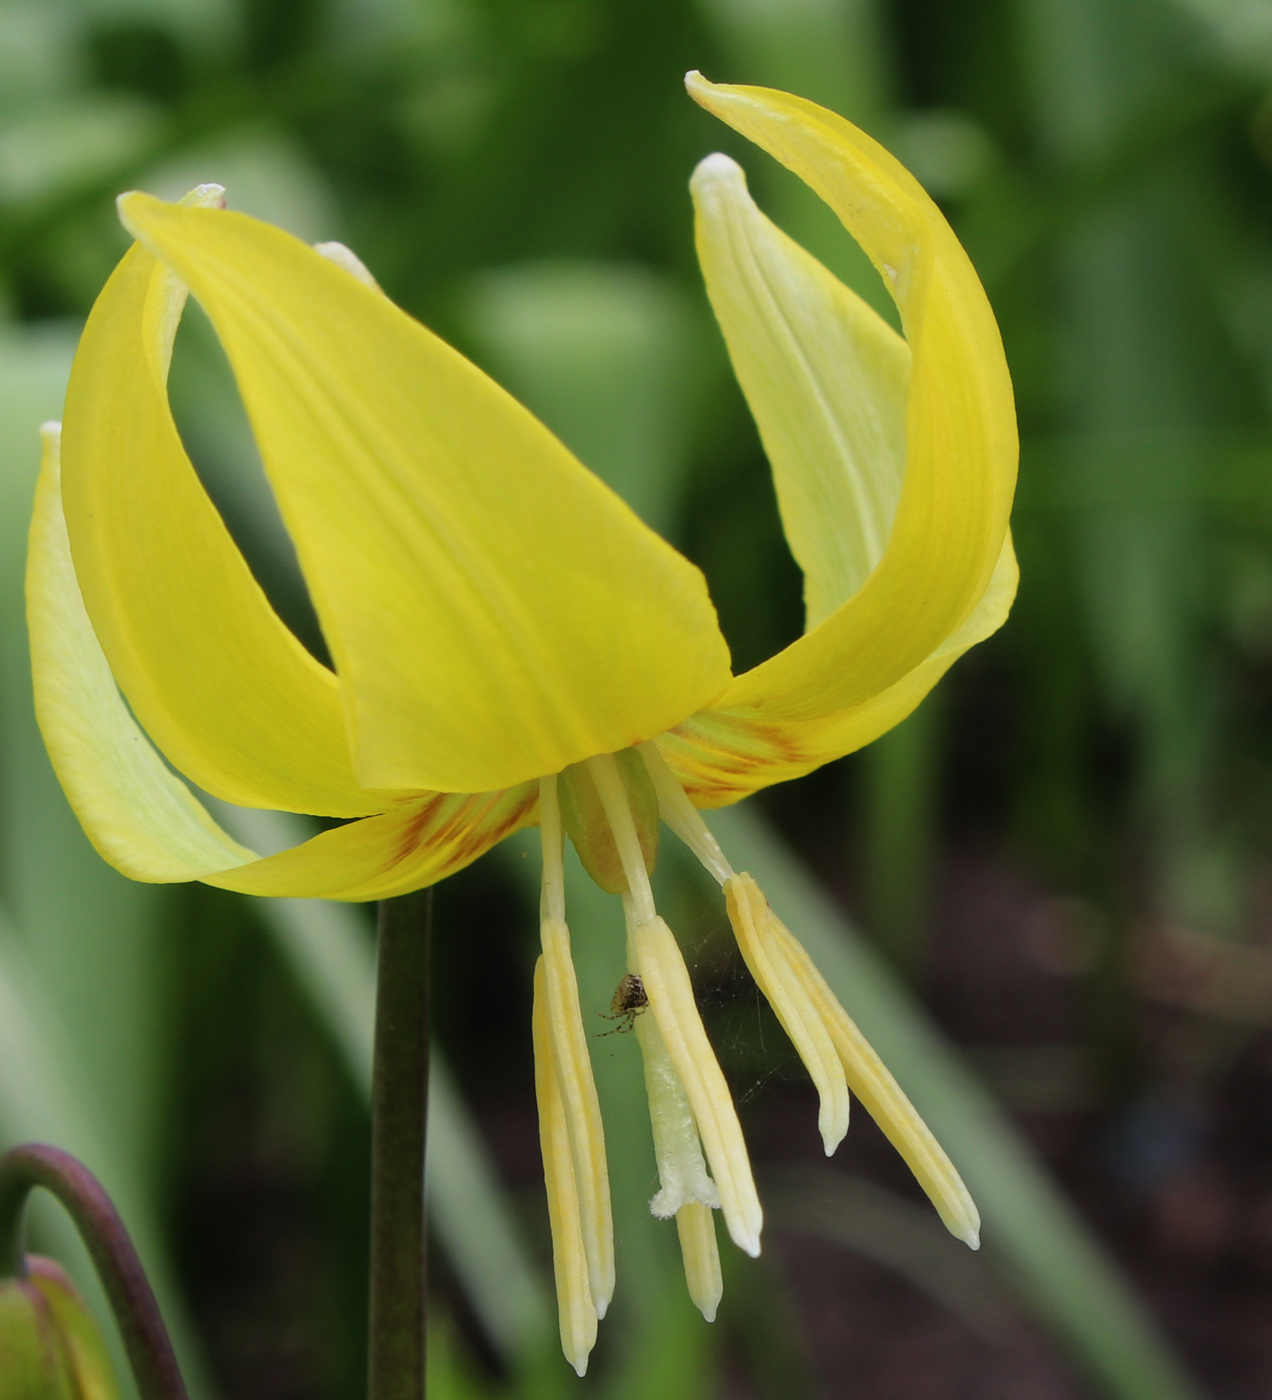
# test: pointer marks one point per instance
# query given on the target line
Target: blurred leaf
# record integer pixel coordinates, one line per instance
(48, 148)
(907, 1238)
(266, 173)
(85, 1072)
(605, 354)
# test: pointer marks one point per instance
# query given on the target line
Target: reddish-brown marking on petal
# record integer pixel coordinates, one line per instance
(720, 758)
(413, 833)
(459, 835)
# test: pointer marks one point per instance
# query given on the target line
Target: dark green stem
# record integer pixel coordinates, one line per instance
(399, 1108)
(150, 1353)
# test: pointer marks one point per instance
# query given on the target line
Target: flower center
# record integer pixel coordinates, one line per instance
(584, 814)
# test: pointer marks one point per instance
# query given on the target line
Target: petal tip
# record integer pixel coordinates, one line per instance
(346, 258)
(125, 205)
(208, 196)
(717, 172)
(701, 89)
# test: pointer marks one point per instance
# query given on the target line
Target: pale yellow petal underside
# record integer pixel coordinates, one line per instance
(721, 756)
(827, 380)
(144, 820)
(138, 814)
(494, 611)
(217, 681)
(961, 442)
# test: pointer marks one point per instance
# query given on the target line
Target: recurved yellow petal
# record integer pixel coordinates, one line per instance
(146, 822)
(719, 755)
(827, 380)
(961, 446)
(494, 611)
(221, 686)
(136, 812)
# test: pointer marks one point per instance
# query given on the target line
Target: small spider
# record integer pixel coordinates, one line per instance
(628, 1002)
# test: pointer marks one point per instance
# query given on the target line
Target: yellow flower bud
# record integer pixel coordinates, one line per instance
(50, 1344)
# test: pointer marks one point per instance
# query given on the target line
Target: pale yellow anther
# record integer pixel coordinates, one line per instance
(658, 960)
(770, 965)
(575, 1308)
(682, 816)
(682, 1173)
(573, 1065)
(869, 1079)
(696, 1227)
(670, 993)
(613, 795)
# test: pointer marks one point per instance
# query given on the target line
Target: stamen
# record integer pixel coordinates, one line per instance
(662, 969)
(868, 1077)
(696, 1227)
(609, 786)
(654, 954)
(575, 1310)
(682, 816)
(573, 1065)
(795, 1009)
(682, 1173)
(552, 896)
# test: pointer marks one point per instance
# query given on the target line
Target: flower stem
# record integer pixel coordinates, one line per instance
(150, 1353)
(399, 1107)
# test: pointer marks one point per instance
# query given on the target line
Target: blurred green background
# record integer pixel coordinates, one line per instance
(1047, 896)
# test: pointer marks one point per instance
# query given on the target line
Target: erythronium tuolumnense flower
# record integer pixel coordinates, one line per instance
(511, 644)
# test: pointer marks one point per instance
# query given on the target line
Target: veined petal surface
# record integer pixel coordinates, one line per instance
(494, 611)
(720, 755)
(420, 841)
(223, 688)
(827, 380)
(144, 820)
(961, 446)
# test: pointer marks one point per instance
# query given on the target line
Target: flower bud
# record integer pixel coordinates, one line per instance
(50, 1344)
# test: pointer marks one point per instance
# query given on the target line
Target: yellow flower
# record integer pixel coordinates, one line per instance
(510, 643)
